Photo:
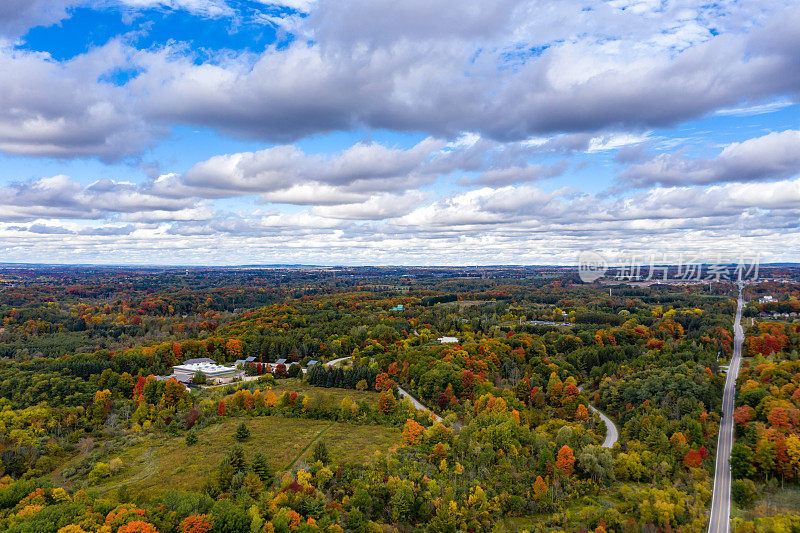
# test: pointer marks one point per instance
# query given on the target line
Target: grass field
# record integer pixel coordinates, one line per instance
(153, 465)
(301, 387)
(772, 501)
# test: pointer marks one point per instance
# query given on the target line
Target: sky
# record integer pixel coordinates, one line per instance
(376, 132)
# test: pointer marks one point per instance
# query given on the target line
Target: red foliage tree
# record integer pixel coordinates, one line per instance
(692, 459)
(743, 415)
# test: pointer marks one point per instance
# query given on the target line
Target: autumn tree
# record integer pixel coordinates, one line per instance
(565, 461)
(412, 432)
(201, 523)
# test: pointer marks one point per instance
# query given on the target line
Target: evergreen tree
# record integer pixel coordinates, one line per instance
(242, 432)
(262, 468)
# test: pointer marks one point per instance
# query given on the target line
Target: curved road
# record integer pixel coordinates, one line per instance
(611, 430)
(612, 434)
(721, 500)
(417, 404)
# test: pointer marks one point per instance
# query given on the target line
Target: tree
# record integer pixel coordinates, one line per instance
(387, 403)
(234, 348)
(201, 523)
(321, 453)
(779, 418)
(242, 432)
(412, 432)
(581, 413)
(221, 408)
(199, 378)
(596, 462)
(742, 461)
(539, 488)
(743, 492)
(137, 526)
(744, 414)
(565, 461)
(693, 459)
(262, 468)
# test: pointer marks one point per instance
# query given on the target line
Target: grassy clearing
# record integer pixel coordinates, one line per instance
(153, 465)
(772, 501)
(301, 387)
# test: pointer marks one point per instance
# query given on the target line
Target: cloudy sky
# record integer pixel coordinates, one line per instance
(386, 132)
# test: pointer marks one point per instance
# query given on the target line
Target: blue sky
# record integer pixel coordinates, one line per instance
(376, 132)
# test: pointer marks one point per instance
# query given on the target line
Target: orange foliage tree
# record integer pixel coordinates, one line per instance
(412, 432)
(199, 523)
(565, 461)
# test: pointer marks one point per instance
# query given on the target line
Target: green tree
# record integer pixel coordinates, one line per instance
(742, 461)
(262, 468)
(321, 453)
(242, 432)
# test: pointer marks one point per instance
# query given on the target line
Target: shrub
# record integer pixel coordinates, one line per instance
(744, 492)
(191, 438)
(99, 471)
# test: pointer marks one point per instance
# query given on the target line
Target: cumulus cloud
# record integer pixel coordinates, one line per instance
(445, 86)
(60, 109)
(508, 72)
(517, 174)
(772, 156)
(512, 224)
(17, 16)
(285, 173)
(61, 197)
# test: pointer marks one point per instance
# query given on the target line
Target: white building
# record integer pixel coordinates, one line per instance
(186, 371)
(447, 340)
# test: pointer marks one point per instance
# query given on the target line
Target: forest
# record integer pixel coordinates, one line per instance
(371, 421)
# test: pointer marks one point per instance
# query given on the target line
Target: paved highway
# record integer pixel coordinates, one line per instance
(721, 500)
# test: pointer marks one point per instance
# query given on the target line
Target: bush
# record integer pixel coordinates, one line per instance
(100, 471)
(294, 371)
(191, 438)
(744, 492)
(199, 378)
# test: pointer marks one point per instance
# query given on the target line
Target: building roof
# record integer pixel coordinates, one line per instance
(199, 360)
(209, 369)
(280, 361)
(447, 340)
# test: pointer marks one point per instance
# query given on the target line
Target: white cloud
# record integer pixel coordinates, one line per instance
(772, 156)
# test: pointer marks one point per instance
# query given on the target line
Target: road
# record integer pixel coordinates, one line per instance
(611, 430)
(721, 500)
(418, 405)
(612, 434)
